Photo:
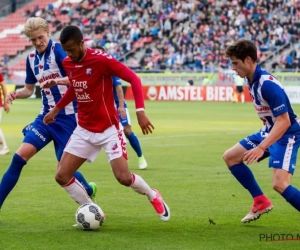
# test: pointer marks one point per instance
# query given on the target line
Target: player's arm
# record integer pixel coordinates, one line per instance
(22, 93)
(120, 95)
(60, 55)
(54, 82)
(28, 88)
(68, 97)
(280, 126)
(276, 99)
(4, 92)
(118, 69)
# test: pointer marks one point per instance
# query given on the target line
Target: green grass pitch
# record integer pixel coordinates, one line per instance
(185, 164)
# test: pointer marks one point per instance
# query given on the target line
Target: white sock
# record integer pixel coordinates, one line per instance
(77, 192)
(2, 140)
(141, 187)
(243, 98)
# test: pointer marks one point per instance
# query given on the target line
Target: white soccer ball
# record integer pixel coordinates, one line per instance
(89, 216)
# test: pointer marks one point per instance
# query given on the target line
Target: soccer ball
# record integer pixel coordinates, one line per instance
(89, 216)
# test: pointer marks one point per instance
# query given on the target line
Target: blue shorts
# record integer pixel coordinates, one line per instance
(39, 135)
(283, 153)
(125, 121)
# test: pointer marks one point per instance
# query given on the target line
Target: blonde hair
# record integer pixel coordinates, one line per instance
(34, 23)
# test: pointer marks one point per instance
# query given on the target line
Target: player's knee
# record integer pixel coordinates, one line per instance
(227, 157)
(127, 130)
(124, 179)
(61, 179)
(279, 186)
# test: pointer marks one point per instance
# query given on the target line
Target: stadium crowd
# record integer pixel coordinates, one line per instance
(180, 34)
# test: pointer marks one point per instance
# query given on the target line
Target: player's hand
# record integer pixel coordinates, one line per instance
(48, 84)
(50, 117)
(144, 122)
(12, 95)
(253, 155)
(122, 112)
(6, 107)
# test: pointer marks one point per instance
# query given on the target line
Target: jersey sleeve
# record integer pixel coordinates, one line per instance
(275, 96)
(116, 68)
(68, 97)
(60, 55)
(116, 81)
(1, 78)
(30, 77)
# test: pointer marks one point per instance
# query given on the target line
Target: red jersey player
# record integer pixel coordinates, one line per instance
(3, 91)
(90, 73)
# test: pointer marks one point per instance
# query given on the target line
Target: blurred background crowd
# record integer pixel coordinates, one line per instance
(174, 35)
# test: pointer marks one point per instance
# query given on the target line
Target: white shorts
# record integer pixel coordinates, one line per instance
(1, 110)
(87, 145)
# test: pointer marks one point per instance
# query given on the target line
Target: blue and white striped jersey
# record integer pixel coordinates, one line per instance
(116, 82)
(270, 100)
(42, 67)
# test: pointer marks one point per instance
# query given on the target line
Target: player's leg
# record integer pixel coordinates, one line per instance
(283, 160)
(77, 151)
(133, 140)
(233, 157)
(242, 94)
(115, 148)
(65, 177)
(61, 131)
(235, 95)
(36, 137)
(4, 149)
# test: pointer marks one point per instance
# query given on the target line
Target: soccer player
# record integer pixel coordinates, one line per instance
(43, 65)
(279, 138)
(90, 73)
(125, 119)
(3, 105)
(239, 89)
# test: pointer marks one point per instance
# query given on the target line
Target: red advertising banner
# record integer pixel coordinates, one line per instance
(188, 93)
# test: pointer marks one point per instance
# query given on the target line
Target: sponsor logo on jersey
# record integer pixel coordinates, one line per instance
(250, 142)
(49, 77)
(262, 108)
(279, 108)
(79, 84)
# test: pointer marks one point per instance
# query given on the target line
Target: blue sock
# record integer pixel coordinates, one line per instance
(11, 177)
(245, 176)
(292, 196)
(83, 182)
(135, 144)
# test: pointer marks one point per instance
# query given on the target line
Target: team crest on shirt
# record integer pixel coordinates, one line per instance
(88, 71)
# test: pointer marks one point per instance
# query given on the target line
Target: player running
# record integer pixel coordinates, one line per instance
(43, 65)
(90, 73)
(279, 137)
